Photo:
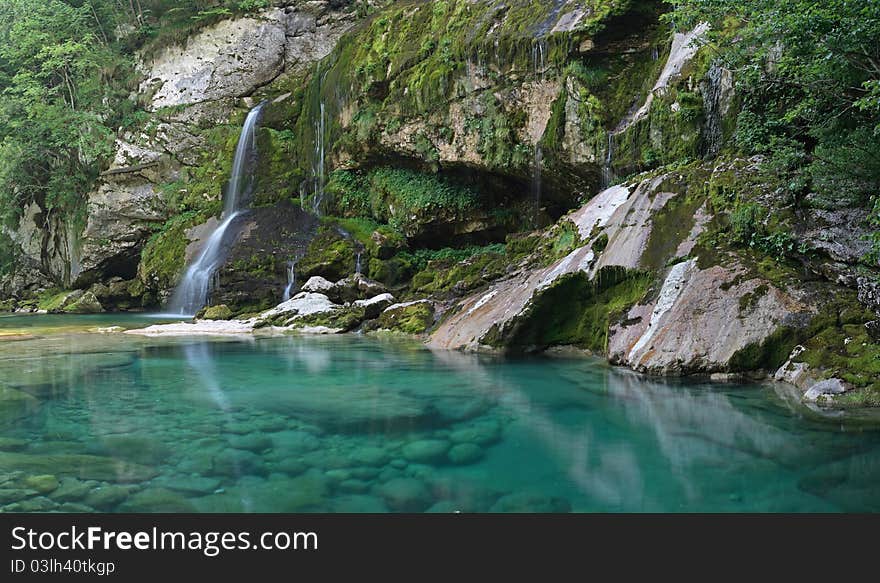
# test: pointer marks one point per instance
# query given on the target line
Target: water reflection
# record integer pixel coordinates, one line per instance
(353, 424)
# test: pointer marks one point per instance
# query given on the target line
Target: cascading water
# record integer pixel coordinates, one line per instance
(291, 281)
(195, 286)
(312, 191)
(357, 263)
(539, 49)
(320, 128)
(537, 163)
(607, 168)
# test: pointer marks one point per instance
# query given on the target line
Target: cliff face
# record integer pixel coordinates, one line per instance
(530, 174)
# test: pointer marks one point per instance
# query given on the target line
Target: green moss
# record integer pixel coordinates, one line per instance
(445, 275)
(767, 355)
(221, 312)
(670, 226)
(406, 200)
(345, 319)
(51, 300)
(164, 255)
(329, 255)
(575, 310)
(413, 319)
(748, 301)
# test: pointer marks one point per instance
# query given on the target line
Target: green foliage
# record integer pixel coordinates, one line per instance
(404, 199)
(576, 310)
(413, 319)
(55, 112)
(422, 257)
(164, 255)
(808, 75)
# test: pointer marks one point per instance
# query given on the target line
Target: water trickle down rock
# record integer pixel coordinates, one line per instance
(195, 286)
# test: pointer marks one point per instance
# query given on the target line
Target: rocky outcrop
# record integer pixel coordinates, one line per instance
(700, 322)
(697, 317)
(235, 57)
(192, 88)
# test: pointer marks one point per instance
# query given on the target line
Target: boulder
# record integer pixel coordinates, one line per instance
(221, 312)
(823, 389)
(375, 305)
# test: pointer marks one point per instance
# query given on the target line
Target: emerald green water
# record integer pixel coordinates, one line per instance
(112, 423)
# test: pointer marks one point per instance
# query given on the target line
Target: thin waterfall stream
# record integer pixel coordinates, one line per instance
(195, 286)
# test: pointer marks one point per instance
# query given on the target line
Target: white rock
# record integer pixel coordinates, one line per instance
(318, 284)
(826, 387)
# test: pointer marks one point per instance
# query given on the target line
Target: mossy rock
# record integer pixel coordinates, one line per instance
(221, 312)
(86, 303)
(329, 255)
(344, 319)
(414, 318)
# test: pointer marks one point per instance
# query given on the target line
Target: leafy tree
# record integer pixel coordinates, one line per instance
(808, 72)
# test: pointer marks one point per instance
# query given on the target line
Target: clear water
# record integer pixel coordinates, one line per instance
(354, 424)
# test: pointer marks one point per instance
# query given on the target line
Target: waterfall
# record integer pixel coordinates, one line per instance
(607, 168)
(195, 286)
(537, 163)
(320, 128)
(312, 191)
(539, 49)
(357, 263)
(291, 281)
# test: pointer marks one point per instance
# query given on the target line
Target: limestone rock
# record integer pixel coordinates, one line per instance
(375, 305)
(827, 387)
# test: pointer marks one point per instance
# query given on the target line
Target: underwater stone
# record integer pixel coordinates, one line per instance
(527, 502)
(39, 504)
(253, 442)
(338, 475)
(87, 467)
(107, 497)
(15, 404)
(405, 494)
(354, 485)
(70, 490)
(140, 449)
(480, 433)
(426, 450)
(11, 444)
(364, 473)
(188, 484)
(370, 456)
(73, 507)
(292, 466)
(443, 507)
(156, 500)
(465, 453)
(237, 462)
(359, 504)
(43, 484)
(8, 495)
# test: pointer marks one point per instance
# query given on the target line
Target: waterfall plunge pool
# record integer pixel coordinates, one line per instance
(113, 423)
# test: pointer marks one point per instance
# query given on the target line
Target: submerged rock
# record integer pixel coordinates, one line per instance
(156, 500)
(465, 453)
(86, 467)
(426, 450)
(405, 494)
(43, 484)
